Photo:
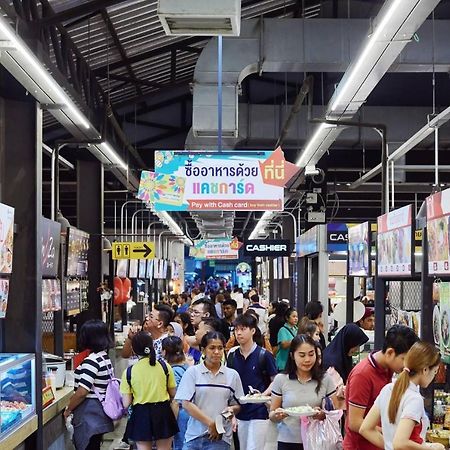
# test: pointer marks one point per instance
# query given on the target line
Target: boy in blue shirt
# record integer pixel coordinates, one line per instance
(257, 368)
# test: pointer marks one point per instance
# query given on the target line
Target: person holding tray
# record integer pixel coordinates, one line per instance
(303, 383)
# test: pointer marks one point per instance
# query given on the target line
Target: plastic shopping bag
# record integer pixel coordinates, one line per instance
(322, 434)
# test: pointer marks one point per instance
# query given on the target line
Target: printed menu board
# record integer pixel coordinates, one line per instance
(142, 268)
(133, 270)
(359, 246)
(4, 292)
(395, 243)
(438, 211)
(175, 270)
(150, 269)
(77, 253)
(84, 290)
(6, 238)
(51, 295)
(51, 239)
(73, 297)
(158, 268)
(441, 321)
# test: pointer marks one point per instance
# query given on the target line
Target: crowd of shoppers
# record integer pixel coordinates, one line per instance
(198, 357)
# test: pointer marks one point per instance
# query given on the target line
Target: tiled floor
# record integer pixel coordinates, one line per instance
(112, 440)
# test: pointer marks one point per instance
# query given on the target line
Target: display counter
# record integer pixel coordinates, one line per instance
(20, 434)
(17, 398)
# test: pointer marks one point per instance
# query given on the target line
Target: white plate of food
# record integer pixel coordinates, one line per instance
(437, 325)
(300, 411)
(254, 398)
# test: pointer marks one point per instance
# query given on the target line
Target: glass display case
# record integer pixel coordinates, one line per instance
(17, 391)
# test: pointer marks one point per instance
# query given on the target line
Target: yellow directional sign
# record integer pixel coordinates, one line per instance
(133, 250)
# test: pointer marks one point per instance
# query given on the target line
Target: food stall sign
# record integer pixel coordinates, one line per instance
(438, 213)
(217, 181)
(359, 247)
(215, 249)
(6, 238)
(395, 243)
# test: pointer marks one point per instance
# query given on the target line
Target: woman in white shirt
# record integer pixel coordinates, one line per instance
(400, 406)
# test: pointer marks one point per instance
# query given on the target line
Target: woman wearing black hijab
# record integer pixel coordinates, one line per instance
(339, 352)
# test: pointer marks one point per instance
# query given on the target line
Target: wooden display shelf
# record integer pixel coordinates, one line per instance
(70, 342)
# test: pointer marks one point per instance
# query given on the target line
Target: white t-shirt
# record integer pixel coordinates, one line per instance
(411, 407)
(239, 299)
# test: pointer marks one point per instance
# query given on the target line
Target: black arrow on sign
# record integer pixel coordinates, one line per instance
(146, 251)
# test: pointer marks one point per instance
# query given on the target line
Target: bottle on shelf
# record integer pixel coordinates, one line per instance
(439, 415)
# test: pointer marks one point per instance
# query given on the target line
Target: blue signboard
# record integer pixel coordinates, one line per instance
(337, 237)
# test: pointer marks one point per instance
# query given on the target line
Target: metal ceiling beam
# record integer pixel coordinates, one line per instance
(79, 10)
(411, 143)
(123, 54)
(168, 89)
(150, 124)
(136, 81)
(102, 71)
(156, 106)
(160, 137)
(424, 188)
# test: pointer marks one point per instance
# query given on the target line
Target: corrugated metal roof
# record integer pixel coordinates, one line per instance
(139, 31)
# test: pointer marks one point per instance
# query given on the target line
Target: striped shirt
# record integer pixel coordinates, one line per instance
(94, 372)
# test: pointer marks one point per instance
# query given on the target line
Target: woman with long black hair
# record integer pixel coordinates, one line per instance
(303, 383)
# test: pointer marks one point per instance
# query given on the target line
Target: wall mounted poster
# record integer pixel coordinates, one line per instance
(444, 322)
(395, 243)
(51, 295)
(51, 239)
(4, 292)
(211, 181)
(73, 297)
(6, 238)
(438, 211)
(359, 247)
(77, 253)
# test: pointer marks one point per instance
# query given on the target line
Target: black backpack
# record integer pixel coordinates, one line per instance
(163, 364)
(261, 364)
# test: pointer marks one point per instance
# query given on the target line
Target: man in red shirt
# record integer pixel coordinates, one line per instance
(368, 378)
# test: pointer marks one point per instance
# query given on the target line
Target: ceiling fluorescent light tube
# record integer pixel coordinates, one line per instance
(24, 50)
(113, 156)
(261, 224)
(362, 58)
(311, 147)
(167, 219)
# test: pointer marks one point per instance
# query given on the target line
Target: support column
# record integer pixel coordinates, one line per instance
(21, 188)
(90, 219)
(426, 293)
(287, 286)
